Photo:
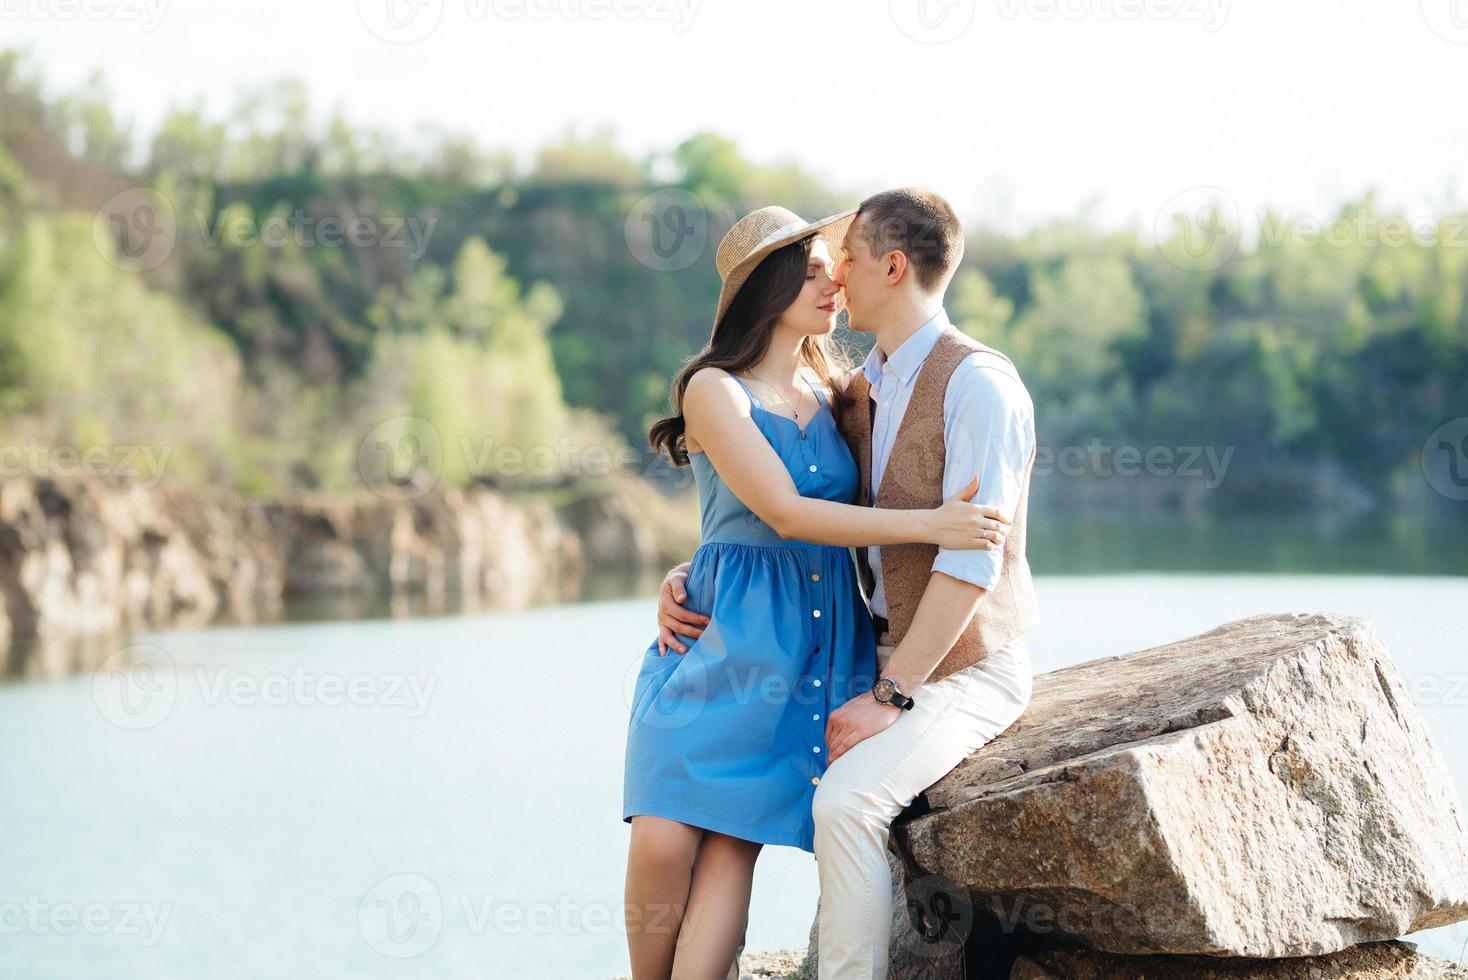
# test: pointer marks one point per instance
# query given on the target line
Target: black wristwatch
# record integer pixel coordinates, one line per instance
(887, 692)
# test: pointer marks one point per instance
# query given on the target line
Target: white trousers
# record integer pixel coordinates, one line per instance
(864, 790)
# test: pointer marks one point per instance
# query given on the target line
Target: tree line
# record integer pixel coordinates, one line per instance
(258, 292)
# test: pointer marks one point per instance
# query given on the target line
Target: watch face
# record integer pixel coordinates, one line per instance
(883, 690)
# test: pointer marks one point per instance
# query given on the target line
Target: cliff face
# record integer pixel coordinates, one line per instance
(90, 558)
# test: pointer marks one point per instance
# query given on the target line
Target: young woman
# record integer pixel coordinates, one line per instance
(725, 743)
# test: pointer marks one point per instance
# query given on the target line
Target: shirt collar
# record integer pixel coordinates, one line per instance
(909, 355)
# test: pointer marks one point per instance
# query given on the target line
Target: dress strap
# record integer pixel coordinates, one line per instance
(746, 389)
(822, 395)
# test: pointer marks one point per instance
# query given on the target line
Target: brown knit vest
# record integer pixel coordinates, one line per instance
(914, 479)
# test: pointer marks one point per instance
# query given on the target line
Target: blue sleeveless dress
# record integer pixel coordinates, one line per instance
(730, 736)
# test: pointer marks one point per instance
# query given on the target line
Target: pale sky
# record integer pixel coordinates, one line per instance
(1031, 109)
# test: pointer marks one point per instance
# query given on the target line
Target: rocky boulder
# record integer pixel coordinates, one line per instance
(1267, 789)
(1371, 961)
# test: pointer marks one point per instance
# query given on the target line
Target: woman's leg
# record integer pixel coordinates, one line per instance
(718, 908)
(659, 874)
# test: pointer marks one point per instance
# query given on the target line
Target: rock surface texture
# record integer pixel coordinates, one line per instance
(1267, 789)
(85, 560)
(1372, 961)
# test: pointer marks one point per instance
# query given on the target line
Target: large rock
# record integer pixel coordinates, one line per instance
(1373, 961)
(1267, 789)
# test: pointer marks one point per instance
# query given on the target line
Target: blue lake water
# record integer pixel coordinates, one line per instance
(441, 797)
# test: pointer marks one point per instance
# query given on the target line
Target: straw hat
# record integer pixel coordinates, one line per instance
(759, 233)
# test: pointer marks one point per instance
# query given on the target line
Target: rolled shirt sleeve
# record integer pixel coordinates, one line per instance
(988, 429)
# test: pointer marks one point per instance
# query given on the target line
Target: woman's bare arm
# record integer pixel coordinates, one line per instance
(717, 414)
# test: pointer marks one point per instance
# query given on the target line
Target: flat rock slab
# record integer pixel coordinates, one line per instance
(1373, 961)
(1267, 789)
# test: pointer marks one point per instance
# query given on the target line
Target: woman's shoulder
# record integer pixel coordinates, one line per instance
(711, 385)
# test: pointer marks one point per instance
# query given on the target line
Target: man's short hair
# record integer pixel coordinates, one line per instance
(919, 224)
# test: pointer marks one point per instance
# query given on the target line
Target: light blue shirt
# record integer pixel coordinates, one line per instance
(988, 429)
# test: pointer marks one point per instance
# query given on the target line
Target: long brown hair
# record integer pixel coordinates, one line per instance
(742, 336)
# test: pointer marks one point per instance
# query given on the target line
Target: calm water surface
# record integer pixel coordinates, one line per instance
(441, 797)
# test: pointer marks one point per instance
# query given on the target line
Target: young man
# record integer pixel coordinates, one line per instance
(932, 409)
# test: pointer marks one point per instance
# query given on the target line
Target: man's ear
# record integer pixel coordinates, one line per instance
(896, 266)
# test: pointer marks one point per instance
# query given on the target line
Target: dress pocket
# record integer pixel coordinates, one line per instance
(649, 675)
(699, 583)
